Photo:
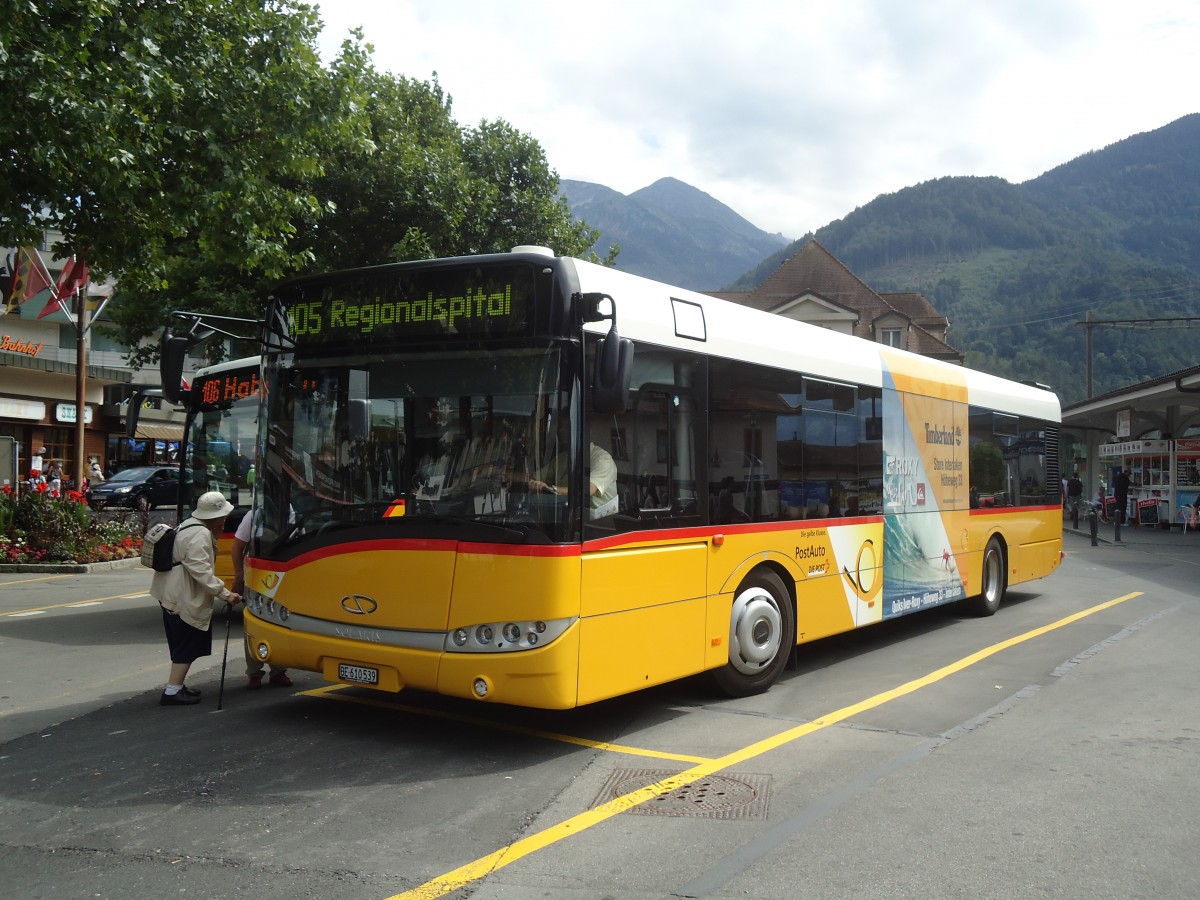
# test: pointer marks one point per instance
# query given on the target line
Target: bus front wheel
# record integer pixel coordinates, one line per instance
(994, 582)
(762, 632)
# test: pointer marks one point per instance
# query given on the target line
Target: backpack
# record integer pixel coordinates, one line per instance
(158, 547)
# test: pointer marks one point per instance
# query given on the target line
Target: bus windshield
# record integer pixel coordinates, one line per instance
(443, 445)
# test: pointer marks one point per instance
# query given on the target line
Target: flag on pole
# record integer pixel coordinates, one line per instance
(30, 278)
(71, 279)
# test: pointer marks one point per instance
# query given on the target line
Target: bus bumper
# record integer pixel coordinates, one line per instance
(542, 678)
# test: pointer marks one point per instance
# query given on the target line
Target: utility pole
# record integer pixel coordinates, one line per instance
(1088, 326)
(81, 386)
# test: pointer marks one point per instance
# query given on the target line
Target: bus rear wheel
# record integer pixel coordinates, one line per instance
(762, 632)
(994, 581)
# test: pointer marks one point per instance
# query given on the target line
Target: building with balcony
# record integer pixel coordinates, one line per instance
(38, 384)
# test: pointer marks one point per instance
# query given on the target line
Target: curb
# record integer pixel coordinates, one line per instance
(69, 568)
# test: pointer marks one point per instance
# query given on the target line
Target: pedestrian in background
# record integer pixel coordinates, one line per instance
(1120, 485)
(54, 475)
(186, 594)
(1074, 497)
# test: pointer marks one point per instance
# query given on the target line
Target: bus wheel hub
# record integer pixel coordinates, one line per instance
(755, 629)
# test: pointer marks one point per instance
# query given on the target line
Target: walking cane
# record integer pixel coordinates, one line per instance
(225, 655)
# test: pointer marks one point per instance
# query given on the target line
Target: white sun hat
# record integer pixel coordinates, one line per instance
(212, 505)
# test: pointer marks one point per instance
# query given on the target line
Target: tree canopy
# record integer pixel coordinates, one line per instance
(200, 151)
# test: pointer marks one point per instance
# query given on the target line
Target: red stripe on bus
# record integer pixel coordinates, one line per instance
(707, 531)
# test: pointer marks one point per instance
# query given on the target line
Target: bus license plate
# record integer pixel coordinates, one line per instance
(360, 674)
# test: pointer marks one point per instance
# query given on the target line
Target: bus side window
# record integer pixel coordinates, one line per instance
(658, 444)
(756, 461)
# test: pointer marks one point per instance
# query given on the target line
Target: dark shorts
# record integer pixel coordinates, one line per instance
(186, 642)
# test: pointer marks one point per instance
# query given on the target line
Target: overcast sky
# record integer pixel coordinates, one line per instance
(795, 112)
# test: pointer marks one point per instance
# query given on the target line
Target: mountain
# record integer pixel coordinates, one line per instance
(1113, 234)
(671, 231)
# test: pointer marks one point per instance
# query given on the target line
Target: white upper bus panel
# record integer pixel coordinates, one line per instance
(672, 317)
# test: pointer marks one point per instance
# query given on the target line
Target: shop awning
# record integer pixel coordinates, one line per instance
(160, 432)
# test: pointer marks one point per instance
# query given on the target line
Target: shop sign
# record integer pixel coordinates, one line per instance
(1133, 448)
(22, 409)
(1187, 445)
(20, 345)
(65, 412)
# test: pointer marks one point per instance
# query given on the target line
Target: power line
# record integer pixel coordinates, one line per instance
(1142, 324)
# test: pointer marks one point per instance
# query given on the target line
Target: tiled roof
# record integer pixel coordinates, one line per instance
(814, 270)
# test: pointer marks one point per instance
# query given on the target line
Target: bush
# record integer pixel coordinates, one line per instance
(45, 526)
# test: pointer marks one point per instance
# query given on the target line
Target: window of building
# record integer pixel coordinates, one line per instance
(893, 337)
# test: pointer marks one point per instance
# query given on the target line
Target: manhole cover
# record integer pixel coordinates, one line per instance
(712, 797)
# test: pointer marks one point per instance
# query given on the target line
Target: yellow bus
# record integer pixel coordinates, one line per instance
(473, 484)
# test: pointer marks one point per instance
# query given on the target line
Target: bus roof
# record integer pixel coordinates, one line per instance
(666, 315)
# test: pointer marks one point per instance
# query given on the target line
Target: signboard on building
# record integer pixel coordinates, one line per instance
(21, 345)
(1133, 448)
(65, 412)
(1124, 422)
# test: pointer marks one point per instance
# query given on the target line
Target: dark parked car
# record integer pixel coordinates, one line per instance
(141, 487)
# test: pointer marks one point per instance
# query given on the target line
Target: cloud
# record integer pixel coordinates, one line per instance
(794, 112)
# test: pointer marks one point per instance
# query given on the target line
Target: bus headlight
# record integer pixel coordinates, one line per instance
(265, 608)
(505, 637)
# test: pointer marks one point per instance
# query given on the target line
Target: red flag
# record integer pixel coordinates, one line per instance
(74, 277)
(71, 279)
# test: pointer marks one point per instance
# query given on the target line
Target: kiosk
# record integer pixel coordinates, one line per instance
(1164, 477)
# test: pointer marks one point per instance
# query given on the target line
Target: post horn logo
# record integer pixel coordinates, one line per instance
(865, 580)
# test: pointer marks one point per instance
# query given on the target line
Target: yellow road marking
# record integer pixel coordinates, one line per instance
(330, 692)
(31, 580)
(38, 609)
(484, 866)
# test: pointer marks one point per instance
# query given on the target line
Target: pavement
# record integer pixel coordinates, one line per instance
(1143, 537)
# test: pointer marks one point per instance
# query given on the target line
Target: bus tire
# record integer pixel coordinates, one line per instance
(762, 633)
(994, 581)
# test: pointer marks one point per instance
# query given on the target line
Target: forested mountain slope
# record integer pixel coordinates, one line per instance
(1115, 233)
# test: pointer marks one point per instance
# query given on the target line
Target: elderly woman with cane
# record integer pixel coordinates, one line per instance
(186, 594)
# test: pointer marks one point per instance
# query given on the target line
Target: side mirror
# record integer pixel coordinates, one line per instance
(614, 369)
(173, 349)
(134, 410)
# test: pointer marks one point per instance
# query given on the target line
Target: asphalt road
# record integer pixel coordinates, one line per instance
(1051, 750)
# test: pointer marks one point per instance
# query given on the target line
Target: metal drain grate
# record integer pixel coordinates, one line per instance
(712, 797)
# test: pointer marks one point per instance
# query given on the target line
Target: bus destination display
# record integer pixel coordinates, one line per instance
(451, 302)
(226, 387)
